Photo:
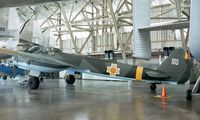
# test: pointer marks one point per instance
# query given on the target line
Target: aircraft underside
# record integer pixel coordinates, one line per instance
(35, 73)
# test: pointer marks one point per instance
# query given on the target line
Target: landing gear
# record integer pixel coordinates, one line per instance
(41, 79)
(153, 86)
(189, 95)
(4, 77)
(33, 82)
(70, 79)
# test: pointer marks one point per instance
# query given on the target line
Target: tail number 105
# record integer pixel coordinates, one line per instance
(175, 61)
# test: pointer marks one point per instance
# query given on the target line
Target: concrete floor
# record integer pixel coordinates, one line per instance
(94, 100)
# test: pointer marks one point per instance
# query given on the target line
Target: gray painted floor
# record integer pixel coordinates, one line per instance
(95, 100)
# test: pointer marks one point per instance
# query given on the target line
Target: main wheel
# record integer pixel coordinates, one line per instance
(189, 95)
(70, 79)
(33, 82)
(153, 86)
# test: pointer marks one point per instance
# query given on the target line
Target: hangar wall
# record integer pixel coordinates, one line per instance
(108, 43)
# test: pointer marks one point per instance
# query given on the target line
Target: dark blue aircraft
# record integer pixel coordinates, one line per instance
(10, 71)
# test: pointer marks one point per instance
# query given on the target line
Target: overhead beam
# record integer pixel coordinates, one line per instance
(169, 26)
(178, 7)
(128, 40)
(16, 3)
(117, 30)
(86, 41)
(80, 11)
(68, 26)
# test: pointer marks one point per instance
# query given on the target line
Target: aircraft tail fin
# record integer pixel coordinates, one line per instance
(177, 65)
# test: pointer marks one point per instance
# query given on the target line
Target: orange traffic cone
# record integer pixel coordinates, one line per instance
(164, 91)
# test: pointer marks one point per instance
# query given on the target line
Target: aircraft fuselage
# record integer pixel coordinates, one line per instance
(39, 62)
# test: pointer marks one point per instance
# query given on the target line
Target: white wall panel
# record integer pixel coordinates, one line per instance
(141, 39)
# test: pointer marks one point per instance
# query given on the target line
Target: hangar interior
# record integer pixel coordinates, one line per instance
(135, 32)
(88, 27)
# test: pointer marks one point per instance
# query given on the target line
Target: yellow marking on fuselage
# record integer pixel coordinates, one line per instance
(187, 55)
(139, 72)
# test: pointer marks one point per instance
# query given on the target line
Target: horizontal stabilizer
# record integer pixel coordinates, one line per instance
(155, 74)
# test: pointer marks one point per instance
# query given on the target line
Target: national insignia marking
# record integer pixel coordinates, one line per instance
(113, 70)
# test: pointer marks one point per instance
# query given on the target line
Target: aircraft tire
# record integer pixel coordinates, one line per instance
(70, 79)
(198, 90)
(153, 86)
(33, 82)
(189, 95)
(4, 77)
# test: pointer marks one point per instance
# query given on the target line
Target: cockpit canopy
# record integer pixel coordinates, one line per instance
(43, 50)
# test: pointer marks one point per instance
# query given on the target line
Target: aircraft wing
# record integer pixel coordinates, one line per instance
(4, 56)
(15, 3)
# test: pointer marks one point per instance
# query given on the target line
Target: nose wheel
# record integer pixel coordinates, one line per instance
(70, 79)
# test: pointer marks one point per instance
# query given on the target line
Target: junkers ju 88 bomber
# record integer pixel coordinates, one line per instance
(37, 60)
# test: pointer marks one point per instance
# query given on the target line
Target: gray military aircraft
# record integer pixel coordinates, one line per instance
(37, 60)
